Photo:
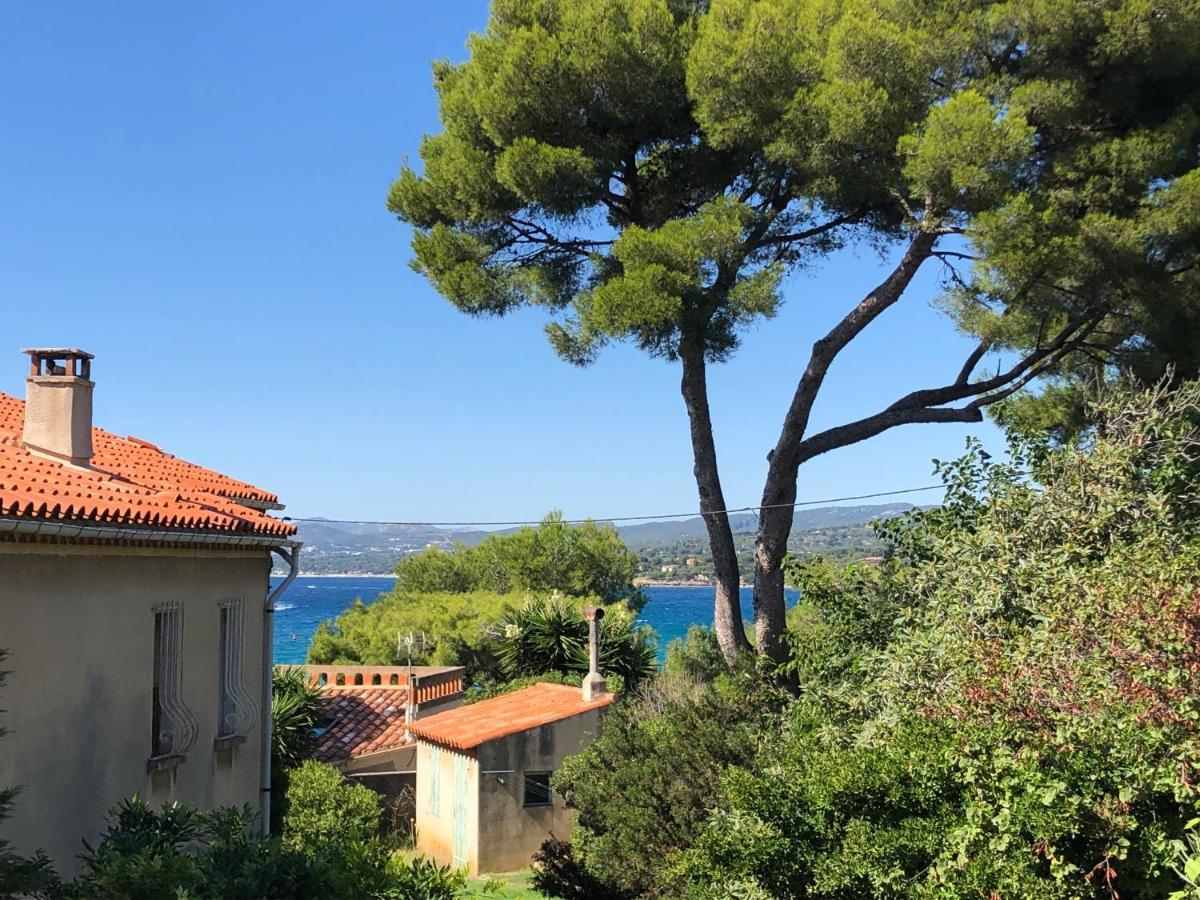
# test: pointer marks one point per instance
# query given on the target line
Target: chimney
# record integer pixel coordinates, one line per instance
(593, 682)
(58, 405)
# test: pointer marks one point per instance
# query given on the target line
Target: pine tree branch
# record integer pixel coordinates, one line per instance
(927, 406)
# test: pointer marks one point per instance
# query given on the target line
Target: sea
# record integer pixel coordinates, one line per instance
(670, 610)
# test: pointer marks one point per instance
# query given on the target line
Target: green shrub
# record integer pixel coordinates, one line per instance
(696, 655)
(557, 872)
(327, 811)
(296, 709)
(644, 787)
(1006, 708)
(178, 854)
(1026, 725)
(451, 628)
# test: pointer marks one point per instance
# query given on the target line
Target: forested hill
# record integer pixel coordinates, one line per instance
(649, 533)
(337, 548)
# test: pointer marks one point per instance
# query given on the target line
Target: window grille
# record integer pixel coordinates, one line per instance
(537, 788)
(237, 708)
(173, 726)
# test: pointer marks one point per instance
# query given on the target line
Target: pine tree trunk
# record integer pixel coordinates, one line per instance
(779, 490)
(727, 610)
(770, 546)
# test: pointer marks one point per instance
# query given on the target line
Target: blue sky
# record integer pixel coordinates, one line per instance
(195, 193)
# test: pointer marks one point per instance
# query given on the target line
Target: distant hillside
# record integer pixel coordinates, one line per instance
(804, 519)
(317, 533)
(337, 548)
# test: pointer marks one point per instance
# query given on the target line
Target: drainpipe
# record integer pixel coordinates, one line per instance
(291, 556)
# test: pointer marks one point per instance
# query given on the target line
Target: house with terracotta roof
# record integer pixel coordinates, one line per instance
(484, 800)
(136, 608)
(367, 713)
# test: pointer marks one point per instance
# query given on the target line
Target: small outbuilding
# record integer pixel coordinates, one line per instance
(484, 801)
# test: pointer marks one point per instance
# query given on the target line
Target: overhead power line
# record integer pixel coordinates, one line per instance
(740, 509)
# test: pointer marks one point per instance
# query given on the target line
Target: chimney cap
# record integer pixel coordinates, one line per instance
(59, 362)
(58, 352)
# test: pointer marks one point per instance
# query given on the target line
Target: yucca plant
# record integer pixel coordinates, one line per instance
(543, 635)
(550, 634)
(295, 711)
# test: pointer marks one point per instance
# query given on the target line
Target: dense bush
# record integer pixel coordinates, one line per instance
(450, 628)
(296, 710)
(587, 560)
(1008, 707)
(645, 786)
(844, 613)
(326, 810)
(696, 656)
(177, 853)
(496, 636)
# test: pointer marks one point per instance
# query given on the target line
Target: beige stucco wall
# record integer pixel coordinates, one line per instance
(435, 833)
(502, 833)
(79, 627)
(510, 833)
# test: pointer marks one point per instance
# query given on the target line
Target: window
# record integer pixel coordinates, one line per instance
(173, 730)
(537, 788)
(435, 781)
(236, 708)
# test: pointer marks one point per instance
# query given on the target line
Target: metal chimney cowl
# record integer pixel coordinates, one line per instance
(594, 685)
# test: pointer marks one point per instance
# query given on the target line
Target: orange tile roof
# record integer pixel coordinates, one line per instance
(467, 727)
(130, 483)
(365, 720)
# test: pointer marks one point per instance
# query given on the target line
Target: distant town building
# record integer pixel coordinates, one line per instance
(135, 605)
(692, 561)
(484, 800)
(669, 568)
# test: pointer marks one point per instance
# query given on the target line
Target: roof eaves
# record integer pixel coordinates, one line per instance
(50, 528)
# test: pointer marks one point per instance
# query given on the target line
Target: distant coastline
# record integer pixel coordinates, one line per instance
(338, 574)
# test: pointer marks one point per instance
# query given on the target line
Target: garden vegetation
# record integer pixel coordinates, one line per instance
(1008, 707)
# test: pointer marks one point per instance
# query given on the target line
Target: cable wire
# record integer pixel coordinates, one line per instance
(753, 509)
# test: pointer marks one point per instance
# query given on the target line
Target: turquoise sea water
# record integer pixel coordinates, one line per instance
(310, 600)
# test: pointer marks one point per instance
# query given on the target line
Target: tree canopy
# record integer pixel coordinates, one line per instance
(458, 604)
(449, 628)
(585, 560)
(647, 170)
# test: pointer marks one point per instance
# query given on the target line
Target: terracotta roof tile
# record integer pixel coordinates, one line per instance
(467, 727)
(365, 720)
(130, 483)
